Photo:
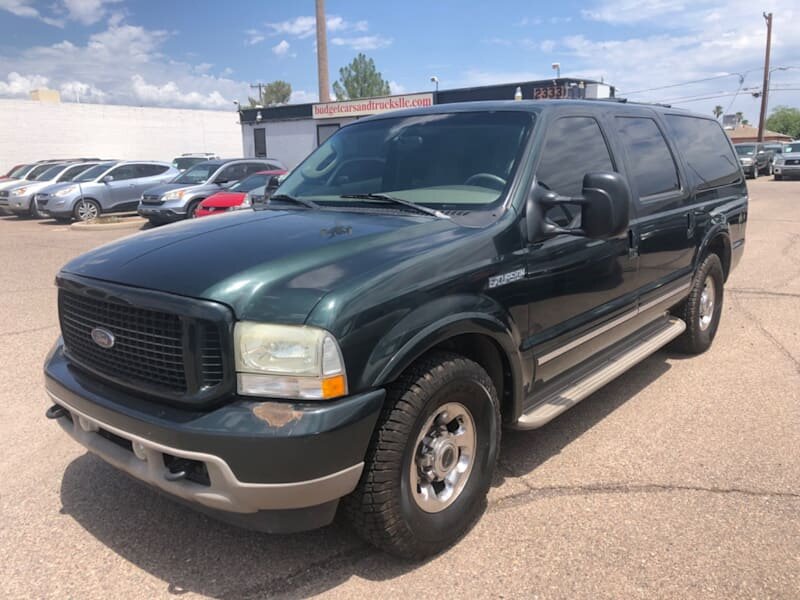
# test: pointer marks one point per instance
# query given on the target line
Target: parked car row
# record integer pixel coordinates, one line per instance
(83, 189)
(769, 159)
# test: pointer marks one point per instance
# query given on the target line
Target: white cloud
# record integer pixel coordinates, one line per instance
(21, 85)
(687, 41)
(81, 92)
(364, 42)
(306, 26)
(87, 12)
(170, 94)
(25, 9)
(547, 46)
(303, 97)
(281, 48)
(525, 21)
(253, 37)
(123, 64)
(396, 88)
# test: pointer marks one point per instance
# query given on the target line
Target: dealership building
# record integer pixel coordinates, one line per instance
(290, 132)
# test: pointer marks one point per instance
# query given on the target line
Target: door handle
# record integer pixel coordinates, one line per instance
(691, 224)
(633, 244)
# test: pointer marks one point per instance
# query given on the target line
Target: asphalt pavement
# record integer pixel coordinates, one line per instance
(680, 479)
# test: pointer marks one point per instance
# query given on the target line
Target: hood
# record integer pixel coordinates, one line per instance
(267, 265)
(790, 155)
(223, 199)
(12, 183)
(31, 187)
(51, 188)
(162, 189)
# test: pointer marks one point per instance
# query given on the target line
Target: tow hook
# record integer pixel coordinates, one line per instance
(56, 412)
(183, 467)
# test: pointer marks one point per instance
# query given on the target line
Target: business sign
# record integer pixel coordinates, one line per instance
(370, 106)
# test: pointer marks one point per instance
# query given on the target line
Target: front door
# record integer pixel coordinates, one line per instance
(123, 188)
(577, 285)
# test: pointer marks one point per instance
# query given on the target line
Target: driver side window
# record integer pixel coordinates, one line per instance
(574, 146)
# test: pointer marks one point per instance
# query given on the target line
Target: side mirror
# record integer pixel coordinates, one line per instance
(108, 179)
(273, 182)
(604, 203)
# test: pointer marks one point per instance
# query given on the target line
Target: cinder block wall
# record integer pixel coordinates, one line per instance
(32, 131)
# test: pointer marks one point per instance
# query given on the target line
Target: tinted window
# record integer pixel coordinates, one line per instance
(185, 162)
(251, 168)
(49, 174)
(574, 146)
(197, 174)
(791, 148)
(125, 172)
(274, 167)
(151, 170)
(19, 171)
(651, 163)
(70, 173)
(235, 172)
(705, 150)
(93, 173)
(250, 183)
(37, 170)
(745, 149)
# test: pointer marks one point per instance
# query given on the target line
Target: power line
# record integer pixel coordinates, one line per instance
(673, 85)
(698, 98)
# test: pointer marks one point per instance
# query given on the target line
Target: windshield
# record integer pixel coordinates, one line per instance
(19, 171)
(791, 148)
(249, 184)
(49, 174)
(185, 162)
(745, 150)
(93, 173)
(463, 161)
(36, 171)
(199, 173)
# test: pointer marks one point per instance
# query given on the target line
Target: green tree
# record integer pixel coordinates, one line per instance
(785, 120)
(277, 92)
(717, 111)
(360, 79)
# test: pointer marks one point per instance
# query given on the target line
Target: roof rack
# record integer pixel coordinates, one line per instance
(626, 101)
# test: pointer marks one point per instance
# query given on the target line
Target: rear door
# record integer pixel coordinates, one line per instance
(581, 289)
(662, 233)
(150, 175)
(122, 188)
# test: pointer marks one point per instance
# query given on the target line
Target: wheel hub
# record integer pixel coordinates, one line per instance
(444, 457)
(707, 301)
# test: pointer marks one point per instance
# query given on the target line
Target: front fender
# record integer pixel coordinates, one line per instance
(437, 321)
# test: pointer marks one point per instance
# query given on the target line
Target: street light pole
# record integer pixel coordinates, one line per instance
(765, 89)
(322, 53)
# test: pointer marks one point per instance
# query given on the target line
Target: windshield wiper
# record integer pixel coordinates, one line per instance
(408, 203)
(288, 198)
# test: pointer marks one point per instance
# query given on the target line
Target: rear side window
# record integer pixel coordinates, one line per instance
(651, 163)
(574, 147)
(705, 150)
(125, 172)
(151, 170)
(72, 172)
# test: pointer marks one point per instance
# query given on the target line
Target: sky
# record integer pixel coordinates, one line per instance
(202, 54)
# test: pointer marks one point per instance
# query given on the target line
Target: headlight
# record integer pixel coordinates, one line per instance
(71, 189)
(176, 195)
(19, 191)
(246, 203)
(747, 161)
(778, 160)
(286, 361)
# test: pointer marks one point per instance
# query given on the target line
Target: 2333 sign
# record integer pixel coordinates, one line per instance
(552, 92)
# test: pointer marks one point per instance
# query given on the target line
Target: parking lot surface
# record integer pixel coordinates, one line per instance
(679, 479)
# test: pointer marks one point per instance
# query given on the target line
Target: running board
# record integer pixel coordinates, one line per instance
(574, 387)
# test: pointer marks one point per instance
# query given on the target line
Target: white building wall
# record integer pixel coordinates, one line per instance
(288, 141)
(32, 131)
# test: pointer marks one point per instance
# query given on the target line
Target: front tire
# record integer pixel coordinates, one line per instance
(703, 308)
(191, 211)
(86, 210)
(431, 460)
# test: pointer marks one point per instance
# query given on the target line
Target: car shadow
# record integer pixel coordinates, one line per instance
(194, 553)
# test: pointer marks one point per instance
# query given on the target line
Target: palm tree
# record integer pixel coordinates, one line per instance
(740, 118)
(717, 111)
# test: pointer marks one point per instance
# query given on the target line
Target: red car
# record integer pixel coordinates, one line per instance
(13, 172)
(232, 198)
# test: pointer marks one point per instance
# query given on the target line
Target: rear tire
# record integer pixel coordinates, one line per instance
(424, 482)
(755, 172)
(702, 310)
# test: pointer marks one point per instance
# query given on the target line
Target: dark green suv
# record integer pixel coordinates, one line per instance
(422, 279)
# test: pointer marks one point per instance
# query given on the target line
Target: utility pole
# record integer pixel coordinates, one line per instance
(259, 86)
(322, 54)
(765, 88)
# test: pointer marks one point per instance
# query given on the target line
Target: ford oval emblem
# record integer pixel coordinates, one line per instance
(103, 337)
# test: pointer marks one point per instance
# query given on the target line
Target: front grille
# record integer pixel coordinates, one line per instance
(793, 161)
(152, 199)
(4, 194)
(148, 345)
